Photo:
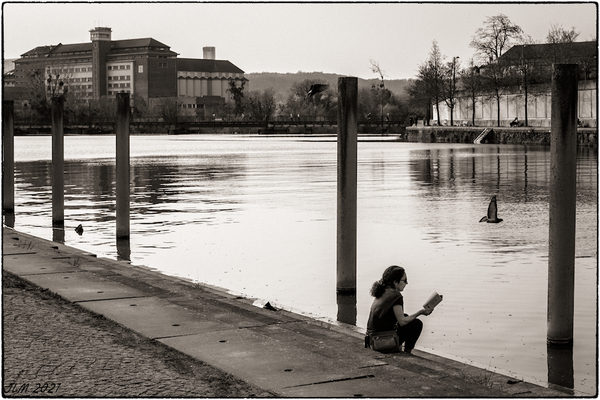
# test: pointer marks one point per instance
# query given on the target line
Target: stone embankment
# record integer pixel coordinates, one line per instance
(54, 348)
(82, 326)
(496, 135)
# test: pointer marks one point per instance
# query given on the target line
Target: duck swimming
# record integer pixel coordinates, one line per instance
(492, 213)
(79, 230)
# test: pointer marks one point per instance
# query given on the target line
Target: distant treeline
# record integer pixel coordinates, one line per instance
(281, 83)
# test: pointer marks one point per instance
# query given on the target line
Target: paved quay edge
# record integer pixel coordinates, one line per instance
(279, 351)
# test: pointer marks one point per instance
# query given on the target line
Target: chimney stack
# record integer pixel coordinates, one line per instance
(209, 53)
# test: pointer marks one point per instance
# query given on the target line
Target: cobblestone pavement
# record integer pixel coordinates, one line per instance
(55, 348)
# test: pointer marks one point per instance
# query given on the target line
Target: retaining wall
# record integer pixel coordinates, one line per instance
(501, 135)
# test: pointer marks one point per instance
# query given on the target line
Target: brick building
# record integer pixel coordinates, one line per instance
(144, 67)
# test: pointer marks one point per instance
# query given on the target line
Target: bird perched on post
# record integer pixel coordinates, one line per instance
(314, 89)
(492, 213)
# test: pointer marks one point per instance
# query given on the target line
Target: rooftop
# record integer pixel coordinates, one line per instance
(202, 65)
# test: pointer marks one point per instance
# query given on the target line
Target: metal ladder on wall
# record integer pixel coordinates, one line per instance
(482, 135)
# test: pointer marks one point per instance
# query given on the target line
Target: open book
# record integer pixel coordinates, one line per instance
(433, 301)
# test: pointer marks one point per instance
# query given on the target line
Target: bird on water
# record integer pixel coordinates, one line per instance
(492, 213)
(79, 230)
(314, 89)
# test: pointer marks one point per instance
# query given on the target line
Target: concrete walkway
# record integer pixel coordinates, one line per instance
(277, 351)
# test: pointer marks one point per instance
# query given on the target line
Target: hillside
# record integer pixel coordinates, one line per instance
(282, 83)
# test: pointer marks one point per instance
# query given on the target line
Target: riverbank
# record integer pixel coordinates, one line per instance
(493, 135)
(55, 348)
(417, 134)
(282, 353)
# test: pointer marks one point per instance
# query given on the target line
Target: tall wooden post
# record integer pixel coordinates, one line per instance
(8, 157)
(563, 168)
(122, 167)
(58, 156)
(346, 184)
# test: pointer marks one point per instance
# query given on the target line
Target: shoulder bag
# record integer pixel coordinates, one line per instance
(384, 342)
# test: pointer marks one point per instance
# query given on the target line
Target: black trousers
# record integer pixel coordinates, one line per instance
(409, 333)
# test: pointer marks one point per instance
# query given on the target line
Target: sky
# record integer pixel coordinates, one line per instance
(340, 38)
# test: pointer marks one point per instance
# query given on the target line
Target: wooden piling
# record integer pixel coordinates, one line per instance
(58, 156)
(122, 165)
(8, 157)
(563, 168)
(346, 184)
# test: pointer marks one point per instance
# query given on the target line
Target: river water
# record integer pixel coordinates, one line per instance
(257, 216)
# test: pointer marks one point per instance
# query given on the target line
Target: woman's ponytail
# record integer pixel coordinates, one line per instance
(377, 289)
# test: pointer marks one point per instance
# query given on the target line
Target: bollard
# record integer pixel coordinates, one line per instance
(122, 167)
(58, 156)
(8, 157)
(346, 184)
(563, 168)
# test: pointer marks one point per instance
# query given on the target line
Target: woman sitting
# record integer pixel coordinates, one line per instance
(387, 310)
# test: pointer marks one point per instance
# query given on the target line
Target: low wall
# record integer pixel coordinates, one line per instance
(501, 135)
(163, 128)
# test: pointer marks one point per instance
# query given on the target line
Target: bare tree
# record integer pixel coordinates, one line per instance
(167, 108)
(431, 72)
(497, 80)
(557, 34)
(380, 88)
(497, 36)
(237, 92)
(419, 100)
(472, 83)
(490, 42)
(261, 104)
(559, 49)
(526, 71)
(35, 84)
(449, 85)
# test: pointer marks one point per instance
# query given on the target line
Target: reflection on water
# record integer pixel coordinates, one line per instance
(560, 366)
(123, 249)
(9, 219)
(346, 308)
(58, 232)
(257, 216)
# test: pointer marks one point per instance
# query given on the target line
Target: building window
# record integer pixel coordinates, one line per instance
(140, 69)
(162, 65)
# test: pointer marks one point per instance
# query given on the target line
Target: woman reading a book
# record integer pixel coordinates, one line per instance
(387, 310)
